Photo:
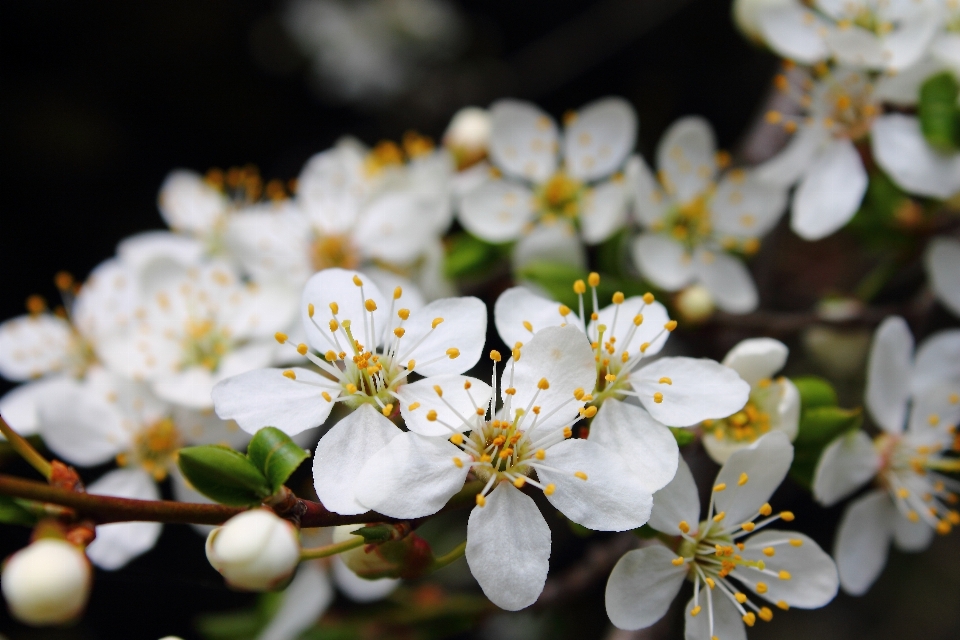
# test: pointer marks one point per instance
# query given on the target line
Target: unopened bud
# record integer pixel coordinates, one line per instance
(468, 135)
(46, 583)
(255, 550)
(409, 557)
(695, 303)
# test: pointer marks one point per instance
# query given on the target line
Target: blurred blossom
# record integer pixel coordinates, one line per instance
(692, 218)
(468, 136)
(943, 268)
(746, 15)
(840, 352)
(370, 50)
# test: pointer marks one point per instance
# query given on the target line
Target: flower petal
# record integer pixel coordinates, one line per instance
(523, 140)
(508, 548)
(599, 139)
(855, 46)
(727, 279)
(910, 536)
(496, 211)
(338, 287)
(662, 261)
(830, 192)
(686, 158)
(360, 589)
(342, 453)
(304, 601)
(756, 359)
(604, 211)
(189, 203)
(765, 462)
(889, 369)
(642, 586)
(119, 543)
(813, 578)
(847, 464)
(82, 427)
(457, 408)
(20, 406)
(727, 623)
(553, 241)
(32, 346)
(611, 498)
(518, 305)
(901, 150)
(677, 502)
(699, 389)
(746, 207)
(794, 32)
(267, 398)
(942, 260)
(140, 250)
(392, 227)
(463, 327)
(411, 477)
(272, 241)
(561, 355)
(937, 361)
(863, 540)
(650, 203)
(647, 447)
(788, 166)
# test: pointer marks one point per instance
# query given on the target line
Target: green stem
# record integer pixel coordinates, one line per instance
(26, 450)
(447, 558)
(331, 549)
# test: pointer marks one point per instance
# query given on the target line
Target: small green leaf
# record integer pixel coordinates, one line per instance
(275, 455)
(467, 256)
(375, 533)
(222, 474)
(683, 436)
(12, 513)
(815, 392)
(937, 110)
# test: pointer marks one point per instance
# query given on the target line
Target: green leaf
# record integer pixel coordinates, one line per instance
(12, 513)
(375, 533)
(222, 474)
(815, 392)
(275, 455)
(819, 426)
(467, 256)
(938, 113)
(683, 436)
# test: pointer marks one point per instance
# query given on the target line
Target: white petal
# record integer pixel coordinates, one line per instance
(648, 448)
(938, 360)
(331, 187)
(599, 139)
(266, 398)
(31, 346)
(518, 305)
(845, 465)
(946, 50)
(756, 359)
(746, 207)
(508, 548)
(699, 389)
(464, 327)
(906, 44)
(863, 540)
(81, 427)
(889, 369)
(387, 280)
(856, 47)
(650, 204)
(901, 150)
(188, 202)
(563, 356)
(337, 286)
(642, 586)
(106, 301)
(360, 589)
(140, 250)
(205, 427)
(943, 268)
(813, 575)
(189, 388)
(272, 242)
(933, 410)
(677, 502)
(788, 409)
(788, 166)
(727, 623)
(794, 32)
(523, 140)
(304, 601)
(549, 241)
(20, 406)
(662, 261)
(728, 281)
(903, 87)
(343, 451)
(411, 477)
(685, 157)
(650, 330)
(612, 498)
(604, 211)
(496, 211)
(766, 463)
(457, 408)
(392, 228)
(119, 543)
(830, 192)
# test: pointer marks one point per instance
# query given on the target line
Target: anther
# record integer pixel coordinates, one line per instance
(769, 551)
(677, 561)
(581, 475)
(695, 611)
(749, 618)
(326, 396)
(683, 526)
(387, 410)
(481, 501)
(540, 454)
(670, 326)
(543, 384)
(665, 380)
(310, 309)
(302, 349)
(644, 347)
(784, 574)
(458, 462)
(748, 526)
(766, 509)
(578, 393)
(370, 305)
(720, 487)
(743, 479)
(290, 374)
(510, 391)
(357, 281)
(638, 319)
(334, 308)
(403, 314)
(414, 406)
(351, 388)
(528, 326)
(399, 331)
(549, 489)
(334, 325)
(741, 597)
(432, 415)
(457, 438)
(495, 355)
(519, 482)
(436, 323)
(787, 516)
(618, 297)
(720, 516)
(610, 377)
(397, 293)
(710, 582)
(588, 412)
(765, 614)
(567, 432)
(658, 397)
(564, 310)
(761, 587)
(439, 391)
(593, 279)
(579, 287)
(783, 605)
(280, 337)
(411, 365)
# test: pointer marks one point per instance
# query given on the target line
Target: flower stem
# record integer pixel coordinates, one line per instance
(331, 549)
(447, 558)
(19, 444)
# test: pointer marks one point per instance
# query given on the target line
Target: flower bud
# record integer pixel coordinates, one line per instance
(468, 136)
(695, 304)
(407, 558)
(255, 550)
(47, 582)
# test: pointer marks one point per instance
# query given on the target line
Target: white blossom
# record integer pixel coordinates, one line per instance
(691, 218)
(255, 550)
(46, 583)
(784, 568)
(916, 403)
(774, 404)
(901, 150)
(942, 260)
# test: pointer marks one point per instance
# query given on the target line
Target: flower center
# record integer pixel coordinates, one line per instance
(851, 108)
(749, 423)
(333, 251)
(204, 344)
(155, 448)
(560, 196)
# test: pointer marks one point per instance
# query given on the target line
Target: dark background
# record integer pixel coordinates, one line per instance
(98, 101)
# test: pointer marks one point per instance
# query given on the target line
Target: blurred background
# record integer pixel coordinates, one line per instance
(99, 101)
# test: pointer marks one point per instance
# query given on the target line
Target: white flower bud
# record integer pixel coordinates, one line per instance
(695, 303)
(468, 135)
(255, 550)
(47, 582)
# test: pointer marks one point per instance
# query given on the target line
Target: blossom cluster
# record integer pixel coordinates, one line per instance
(323, 317)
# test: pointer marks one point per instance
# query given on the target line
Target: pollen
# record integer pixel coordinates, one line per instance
(593, 279)
(549, 489)
(588, 412)
(290, 374)
(334, 308)
(567, 432)
(326, 396)
(399, 331)
(796, 542)
(495, 355)
(769, 551)
(697, 609)
(519, 482)
(370, 305)
(720, 516)
(638, 319)
(458, 462)
(658, 397)
(351, 388)
(528, 326)
(670, 326)
(610, 377)
(765, 614)
(720, 487)
(432, 415)
(481, 501)
(280, 337)
(302, 349)
(564, 310)
(436, 323)
(618, 297)
(787, 516)
(310, 310)
(438, 390)
(784, 574)
(579, 287)
(403, 314)
(743, 479)
(748, 526)
(761, 587)
(665, 380)
(411, 365)
(543, 384)
(397, 293)
(648, 298)
(683, 526)
(766, 509)
(578, 393)
(540, 454)
(510, 391)
(710, 582)
(581, 475)
(750, 618)
(357, 281)
(387, 410)
(334, 325)
(741, 597)
(677, 561)
(644, 347)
